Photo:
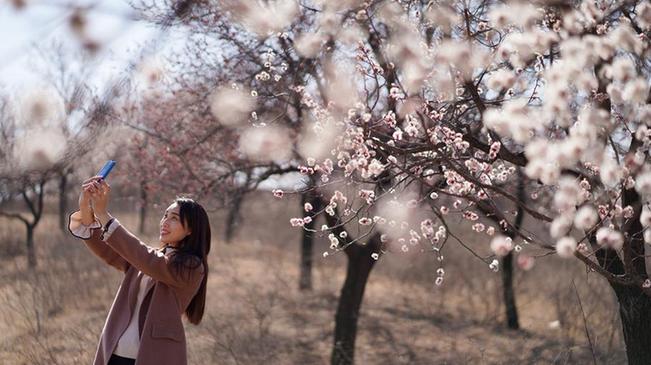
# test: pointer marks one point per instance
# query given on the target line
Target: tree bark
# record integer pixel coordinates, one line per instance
(144, 201)
(635, 314)
(36, 208)
(31, 251)
(509, 293)
(360, 264)
(63, 201)
(233, 215)
(307, 243)
(511, 310)
(634, 304)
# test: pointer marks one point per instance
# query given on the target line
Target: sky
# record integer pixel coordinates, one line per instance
(111, 23)
(43, 23)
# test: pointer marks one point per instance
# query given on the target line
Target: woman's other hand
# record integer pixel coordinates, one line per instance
(87, 188)
(99, 196)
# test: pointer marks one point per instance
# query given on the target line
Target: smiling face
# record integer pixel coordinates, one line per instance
(172, 230)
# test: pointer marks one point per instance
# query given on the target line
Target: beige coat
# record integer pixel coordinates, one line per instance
(162, 336)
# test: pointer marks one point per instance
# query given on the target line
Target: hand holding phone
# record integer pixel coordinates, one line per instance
(104, 172)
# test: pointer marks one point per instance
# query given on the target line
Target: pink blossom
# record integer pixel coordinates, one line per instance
(365, 221)
(610, 238)
(525, 262)
(471, 216)
(368, 195)
(296, 222)
(501, 245)
(375, 167)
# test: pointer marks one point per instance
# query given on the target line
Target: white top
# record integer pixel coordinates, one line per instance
(130, 340)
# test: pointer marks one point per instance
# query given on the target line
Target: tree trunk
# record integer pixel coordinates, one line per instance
(634, 308)
(63, 202)
(233, 215)
(509, 293)
(511, 309)
(144, 201)
(305, 278)
(635, 314)
(360, 264)
(36, 208)
(31, 252)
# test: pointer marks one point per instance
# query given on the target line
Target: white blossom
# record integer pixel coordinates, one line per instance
(610, 238)
(309, 44)
(561, 225)
(643, 184)
(269, 143)
(501, 245)
(565, 247)
(231, 107)
(610, 172)
(586, 217)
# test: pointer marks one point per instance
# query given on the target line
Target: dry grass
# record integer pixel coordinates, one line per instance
(255, 314)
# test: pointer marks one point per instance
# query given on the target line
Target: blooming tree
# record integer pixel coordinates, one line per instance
(451, 99)
(430, 109)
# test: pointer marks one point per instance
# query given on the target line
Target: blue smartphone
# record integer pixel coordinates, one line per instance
(106, 169)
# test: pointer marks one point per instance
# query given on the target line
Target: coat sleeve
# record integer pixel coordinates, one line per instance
(152, 261)
(91, 237)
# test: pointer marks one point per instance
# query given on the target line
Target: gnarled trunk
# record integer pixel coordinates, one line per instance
(307, 243)
(509, 293)
(31, 251)
(144, 201)
(360, 264)
(635, 314)
(63, 202)
(233, 216)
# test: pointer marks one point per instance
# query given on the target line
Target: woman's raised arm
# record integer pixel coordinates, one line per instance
(84, 225)
(150, 260)
(90, 234)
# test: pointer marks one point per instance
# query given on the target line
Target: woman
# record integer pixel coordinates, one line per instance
(144, 325)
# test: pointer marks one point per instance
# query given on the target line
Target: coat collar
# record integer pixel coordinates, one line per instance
(167, 248)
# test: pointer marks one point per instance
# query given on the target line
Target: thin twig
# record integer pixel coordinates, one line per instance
(585, 324)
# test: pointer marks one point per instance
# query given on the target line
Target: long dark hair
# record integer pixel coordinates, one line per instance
(194, 246)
